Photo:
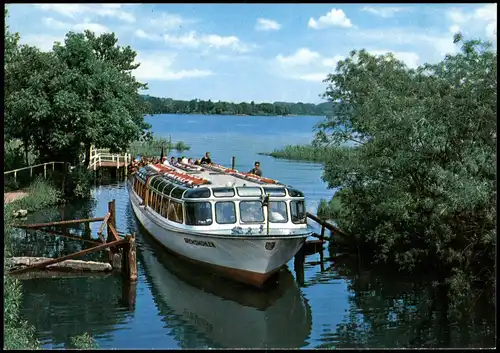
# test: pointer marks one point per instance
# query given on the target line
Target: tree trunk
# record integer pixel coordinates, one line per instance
(87, 154)
(26, 153)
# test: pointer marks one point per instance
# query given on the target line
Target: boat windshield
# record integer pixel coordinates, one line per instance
(298, 212)
(251, 212)
(198, 213)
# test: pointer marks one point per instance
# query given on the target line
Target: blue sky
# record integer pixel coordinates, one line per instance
(259, 52)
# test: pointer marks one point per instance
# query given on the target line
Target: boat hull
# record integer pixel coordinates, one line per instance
(251, 260)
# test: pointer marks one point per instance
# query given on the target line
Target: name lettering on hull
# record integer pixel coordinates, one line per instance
(208, 244)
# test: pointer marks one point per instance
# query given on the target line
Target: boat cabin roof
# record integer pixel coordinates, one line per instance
(178, 184)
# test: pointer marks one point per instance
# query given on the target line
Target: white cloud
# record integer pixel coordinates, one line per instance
(193, 40)
(97, 28)
(332, 62)
(139, 33)
(55, 24)
(409, 58)
(104, 10)
(384, 12)
(314, 77)
(481, 21)
(79, 27)
(302, 56)
(167, 21)
(158, 67)
(334, 18)
(454, 29)
(264, 24)
(41, 41)
(306, 65)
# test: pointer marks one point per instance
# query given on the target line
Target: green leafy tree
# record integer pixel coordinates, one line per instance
(79, 94)
(419, 188)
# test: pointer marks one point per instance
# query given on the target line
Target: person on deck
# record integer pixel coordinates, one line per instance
(206, 159)
(172, 160)
(256, 169)
(184, 160)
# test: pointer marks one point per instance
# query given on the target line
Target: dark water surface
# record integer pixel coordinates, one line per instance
(176, 305)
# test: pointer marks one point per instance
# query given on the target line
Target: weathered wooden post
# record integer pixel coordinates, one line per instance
(15, 176)
(111, 219)
(132, 259)
(45, 170)
(126, 164)
(233, 162)
(298, 265)
(129, 259)
(129, 294)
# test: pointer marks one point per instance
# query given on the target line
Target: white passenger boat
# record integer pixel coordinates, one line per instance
(245, 226)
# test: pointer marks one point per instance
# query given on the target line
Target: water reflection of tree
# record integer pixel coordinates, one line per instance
(65, 307)
(389, 311)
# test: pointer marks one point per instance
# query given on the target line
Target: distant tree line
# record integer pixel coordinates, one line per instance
(197, 106)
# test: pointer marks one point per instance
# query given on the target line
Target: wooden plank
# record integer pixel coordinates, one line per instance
(105, 221)
(74, 265)
(113, 231)
(111, 220)
(325, 224)
(69, 236)
(71, 256)
(51, 224)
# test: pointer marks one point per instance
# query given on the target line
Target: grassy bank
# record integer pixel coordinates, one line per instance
(153, 147)
(18, 334)
(307, 153)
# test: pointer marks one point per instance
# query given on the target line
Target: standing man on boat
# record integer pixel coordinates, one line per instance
(206, 159)
(256, 169)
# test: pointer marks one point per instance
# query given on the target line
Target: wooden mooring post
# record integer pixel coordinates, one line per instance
(233, 162)
(314, 246)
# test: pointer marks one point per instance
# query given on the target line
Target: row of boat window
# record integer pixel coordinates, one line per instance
(200, 213)
(168, 187)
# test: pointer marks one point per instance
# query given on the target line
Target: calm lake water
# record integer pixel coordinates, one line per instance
(174, 305)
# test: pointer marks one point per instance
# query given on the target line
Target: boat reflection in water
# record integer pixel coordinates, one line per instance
(224, 313)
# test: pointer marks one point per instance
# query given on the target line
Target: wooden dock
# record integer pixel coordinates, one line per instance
(122, 256)
(103, 158)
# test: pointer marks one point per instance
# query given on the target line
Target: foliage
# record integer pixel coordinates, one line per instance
(41, 194)
(79, 183)
(17, 333)
(196, 106)
(181, 146)
(11, 41)
(420, 187)
(152, 147)
(302, 153)
(328, 209)
(14, 155)
(80, 93)
(84, 341)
